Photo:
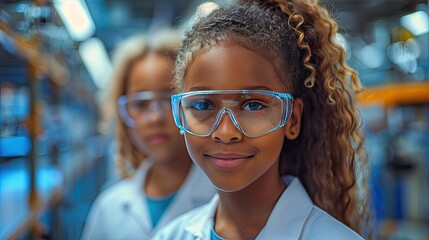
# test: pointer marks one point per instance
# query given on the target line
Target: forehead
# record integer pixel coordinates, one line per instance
(151, 73)
(231, 67)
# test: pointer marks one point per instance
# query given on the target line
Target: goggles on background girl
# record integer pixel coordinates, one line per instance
(142, 104)
(253, 112)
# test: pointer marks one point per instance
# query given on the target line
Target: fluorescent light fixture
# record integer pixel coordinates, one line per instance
(417, 23)
(97, 62)
(76, 18)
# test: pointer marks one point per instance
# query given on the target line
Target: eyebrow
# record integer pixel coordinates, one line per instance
(259, 87)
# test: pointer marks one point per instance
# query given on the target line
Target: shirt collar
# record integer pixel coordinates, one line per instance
(287, 218)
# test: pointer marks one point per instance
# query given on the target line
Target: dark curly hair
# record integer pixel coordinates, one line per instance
(297, 37)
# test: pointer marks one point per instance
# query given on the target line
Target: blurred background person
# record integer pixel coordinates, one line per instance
(160, 180)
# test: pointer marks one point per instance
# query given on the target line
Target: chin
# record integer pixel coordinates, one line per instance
(161, 157)
(229, 187)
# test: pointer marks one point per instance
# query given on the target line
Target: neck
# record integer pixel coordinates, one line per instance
(243, 214)
(166, 177)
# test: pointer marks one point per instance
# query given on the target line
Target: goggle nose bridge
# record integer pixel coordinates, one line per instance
(231, 116)
(156, 105)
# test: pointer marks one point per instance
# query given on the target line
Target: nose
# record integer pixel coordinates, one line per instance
(155, 112)
(226, 131)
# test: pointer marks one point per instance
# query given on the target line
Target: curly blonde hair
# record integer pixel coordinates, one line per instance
(126, 55)
(297, 36)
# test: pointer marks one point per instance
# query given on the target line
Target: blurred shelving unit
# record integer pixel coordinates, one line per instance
(388, 44)
(398, 136)
(51, 152)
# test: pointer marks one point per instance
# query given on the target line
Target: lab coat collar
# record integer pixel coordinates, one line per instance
(286, 220)
(290, 213)
(201, 229)
(133, 198)
(193, 192)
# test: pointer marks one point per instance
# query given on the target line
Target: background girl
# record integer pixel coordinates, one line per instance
(268, 107)
(162, 183)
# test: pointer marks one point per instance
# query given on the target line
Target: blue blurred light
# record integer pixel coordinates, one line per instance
(14, 146)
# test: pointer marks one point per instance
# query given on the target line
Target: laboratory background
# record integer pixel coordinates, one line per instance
(57, 153)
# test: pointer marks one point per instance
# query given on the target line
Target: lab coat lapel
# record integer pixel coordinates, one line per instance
(201, 229)
(286, 221)
(194, 192)
(135, 200)
(290, 213)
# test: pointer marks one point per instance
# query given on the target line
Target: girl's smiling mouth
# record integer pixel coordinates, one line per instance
(157, 138)
(228, 161)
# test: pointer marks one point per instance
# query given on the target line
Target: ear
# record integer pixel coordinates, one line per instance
(293, 125)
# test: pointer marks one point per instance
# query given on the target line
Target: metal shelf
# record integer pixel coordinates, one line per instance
(396, 94)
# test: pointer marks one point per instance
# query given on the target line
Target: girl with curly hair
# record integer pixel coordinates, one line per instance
(268, 108)
(160, 181)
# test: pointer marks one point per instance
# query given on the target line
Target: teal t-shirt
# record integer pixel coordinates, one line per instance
(157, 207)
(214, 236)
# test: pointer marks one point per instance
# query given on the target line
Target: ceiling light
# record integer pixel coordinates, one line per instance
(76, 18)
(96, 60)
(417, 23)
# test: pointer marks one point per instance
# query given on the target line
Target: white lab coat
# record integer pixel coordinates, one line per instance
(294, 217)
(120, 212)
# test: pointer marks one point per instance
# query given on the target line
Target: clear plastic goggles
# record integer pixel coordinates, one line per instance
(142, 104)
(253, 112)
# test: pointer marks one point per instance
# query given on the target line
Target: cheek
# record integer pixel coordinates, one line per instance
(193, 145)
(271, 145)
(136, 140)
(140, 128)
(169, 120)
(178, 140)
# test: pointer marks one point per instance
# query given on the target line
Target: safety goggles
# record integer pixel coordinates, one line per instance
(253, 112)
(142, 104)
